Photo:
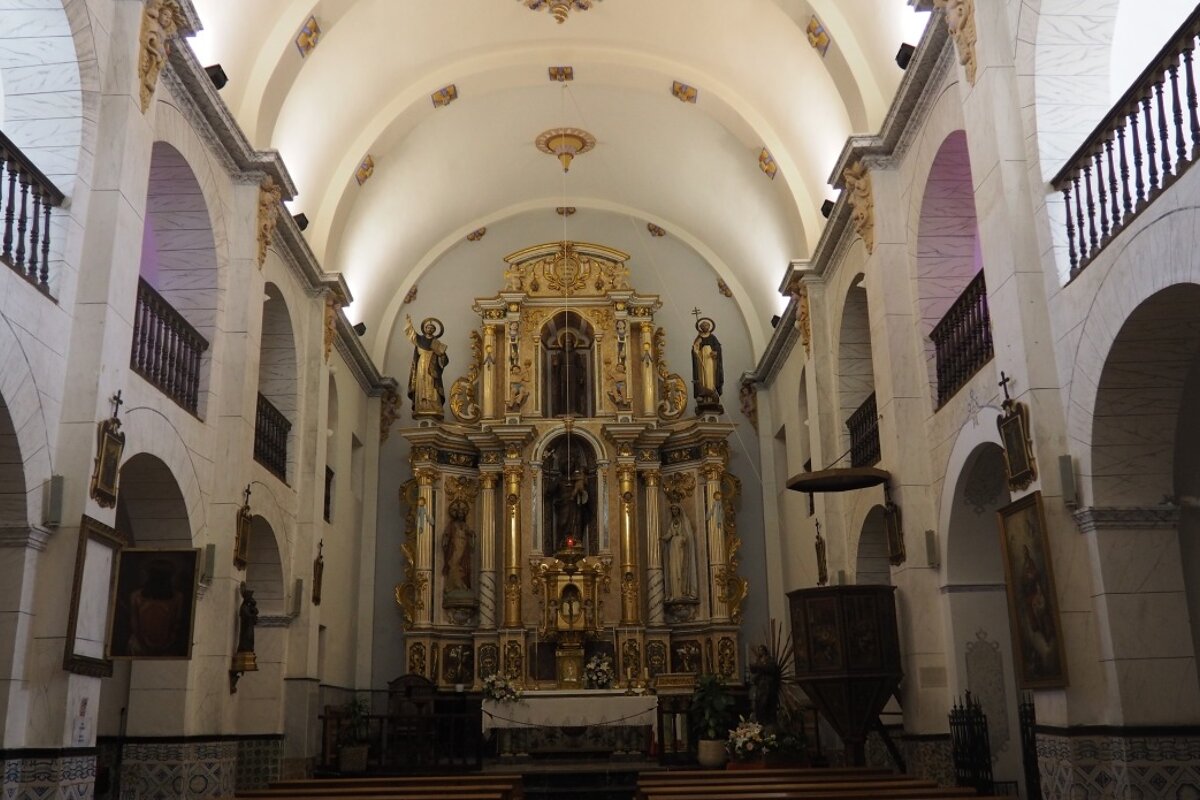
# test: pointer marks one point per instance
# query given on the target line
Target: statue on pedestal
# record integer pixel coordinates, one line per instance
(680, 564)
(425, 388)
(458, 548)
(708, 376)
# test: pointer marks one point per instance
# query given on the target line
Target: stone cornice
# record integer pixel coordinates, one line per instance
(1134, 518)
(206, 111)
(273, 621)
(29, 536)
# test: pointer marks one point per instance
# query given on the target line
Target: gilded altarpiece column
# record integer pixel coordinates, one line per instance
(425, 510)
(487, 548)
(714, 526)
(654, 567)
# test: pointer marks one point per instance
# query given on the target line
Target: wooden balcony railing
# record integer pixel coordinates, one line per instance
(26, 197)
(864, 434)
(166, 348)
(271, 430)
(1149, 138)
(963, 340)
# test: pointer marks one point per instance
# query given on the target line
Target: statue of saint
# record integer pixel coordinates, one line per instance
(572, 509)
(458, 547)
(429, 361)
(767, 680)
(247, 619)
(569, 374)
(708, 376)
(680, 564)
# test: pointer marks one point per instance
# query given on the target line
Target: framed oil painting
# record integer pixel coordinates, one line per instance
(91, 595)
(1018, 449)
(110, 443)
(1038, 649)
(155, 604)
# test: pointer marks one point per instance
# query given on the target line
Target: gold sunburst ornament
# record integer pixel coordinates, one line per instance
(559, 8)
(565, 143)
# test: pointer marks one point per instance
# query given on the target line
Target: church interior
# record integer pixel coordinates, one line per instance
(599, 398)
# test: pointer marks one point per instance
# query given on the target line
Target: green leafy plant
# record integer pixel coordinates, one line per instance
(711, 708)
(355, 721)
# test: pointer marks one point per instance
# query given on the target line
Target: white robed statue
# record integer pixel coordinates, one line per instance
(680, 561)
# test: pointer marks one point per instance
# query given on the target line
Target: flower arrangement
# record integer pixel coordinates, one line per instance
(748, 741)
(599, 672)
(497, 687)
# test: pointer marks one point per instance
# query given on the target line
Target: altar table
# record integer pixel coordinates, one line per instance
(563, 708)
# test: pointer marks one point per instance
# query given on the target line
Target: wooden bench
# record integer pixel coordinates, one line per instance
(470, 786)
(845, 791)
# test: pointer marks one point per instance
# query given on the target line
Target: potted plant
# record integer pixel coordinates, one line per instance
(502, 690)
(599, 672)
(710, 711)
(353, 735)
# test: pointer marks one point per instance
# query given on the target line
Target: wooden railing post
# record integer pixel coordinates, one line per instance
(1141, 117)
(26, 195)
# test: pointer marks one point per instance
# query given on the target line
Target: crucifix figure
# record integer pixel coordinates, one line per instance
(1004, 381)
(117, 402)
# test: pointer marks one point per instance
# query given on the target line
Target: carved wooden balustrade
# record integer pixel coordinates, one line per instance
(26, 197)
(271, 430)
(864, 434)
(1146, 142)
(166, 348)
(962, 339)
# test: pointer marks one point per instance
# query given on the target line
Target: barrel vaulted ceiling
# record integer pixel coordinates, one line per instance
(442, 171)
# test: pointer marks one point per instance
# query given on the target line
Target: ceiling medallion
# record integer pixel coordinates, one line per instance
(559, 8)
(565, 144)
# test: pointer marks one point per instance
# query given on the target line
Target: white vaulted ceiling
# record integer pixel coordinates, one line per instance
(443, 172)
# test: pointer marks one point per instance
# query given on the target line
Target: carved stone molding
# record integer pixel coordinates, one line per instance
(32, 538)
(273, 621)
(161, 21)
(960, 21)
(270, 203)
(862, 201)
(1138, 518)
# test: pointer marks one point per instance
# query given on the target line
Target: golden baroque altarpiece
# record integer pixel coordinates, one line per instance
(566, 504)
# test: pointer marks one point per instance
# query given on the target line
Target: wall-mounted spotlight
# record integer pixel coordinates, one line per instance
(360, 328)
(826, 208)
(904, 55)
(217, 76)
(301, 221)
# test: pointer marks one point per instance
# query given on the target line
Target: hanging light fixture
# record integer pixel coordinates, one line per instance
(565, 143)
(559, 8)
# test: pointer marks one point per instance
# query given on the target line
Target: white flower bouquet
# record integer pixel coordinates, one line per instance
(497, 687)
(599, 672)
(748, 741)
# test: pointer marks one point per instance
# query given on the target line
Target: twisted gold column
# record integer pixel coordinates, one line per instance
(715, 532)
(654, 570)
(631, 606)
(512, 546)
(649, 406)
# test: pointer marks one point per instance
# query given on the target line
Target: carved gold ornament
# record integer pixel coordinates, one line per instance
(960, 20)
(161, 20)
(270, 203)
(464, 397)
(734, 588)
(410, 592)
(673, 390)
(858, 184)
(571, 269)
(678, 485)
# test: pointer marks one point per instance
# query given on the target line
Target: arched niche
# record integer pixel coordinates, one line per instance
(856, 375)
(14, 511)
(571, 498)
(568, 366)
(277, 384)
(871, 565)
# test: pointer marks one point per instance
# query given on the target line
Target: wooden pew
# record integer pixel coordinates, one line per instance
(847, 791)
(509, 786)
(417, 793)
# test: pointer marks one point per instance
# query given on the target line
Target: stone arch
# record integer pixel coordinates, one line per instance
(975, 598)
(264, 568)
(148, 431)
(1124, 287)
(948, 254)
(179, 259)
(278, 380)
(871, 563)
(260, 695)
(855, 370)
(152, 511)
(26, 445)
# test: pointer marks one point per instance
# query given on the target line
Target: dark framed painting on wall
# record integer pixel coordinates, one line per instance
(1038, 649)
(155, 604)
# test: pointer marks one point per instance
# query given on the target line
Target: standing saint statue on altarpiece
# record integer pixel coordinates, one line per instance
(708, 375)
(680, 543)
(425, 388)
(569, 376)
(458, 547)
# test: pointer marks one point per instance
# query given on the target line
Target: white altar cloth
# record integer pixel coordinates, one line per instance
(567, 707)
